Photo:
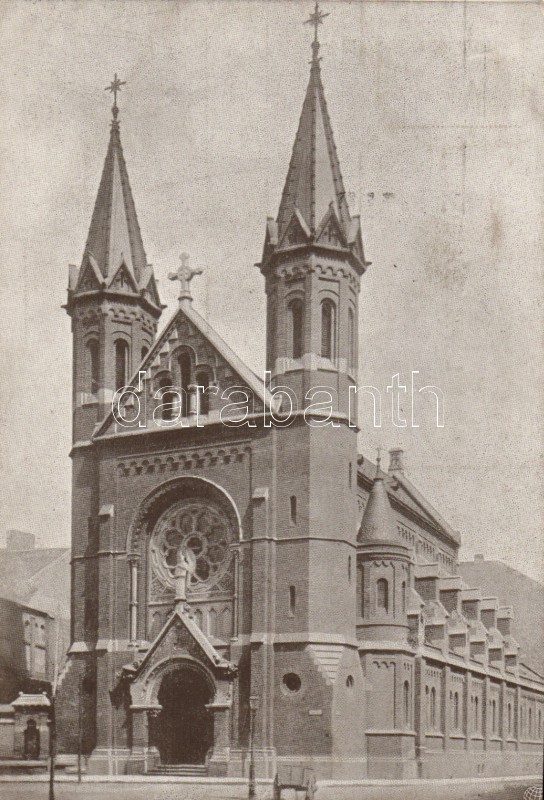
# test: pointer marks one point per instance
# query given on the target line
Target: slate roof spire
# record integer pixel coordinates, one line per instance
(378, 523)
(314, 180)
(114, 235)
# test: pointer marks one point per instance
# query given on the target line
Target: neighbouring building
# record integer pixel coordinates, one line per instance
(34, 639)
(34, 614)
(214, 561)
(525, 597)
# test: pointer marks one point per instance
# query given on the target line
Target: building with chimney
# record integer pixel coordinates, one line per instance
(236, 567)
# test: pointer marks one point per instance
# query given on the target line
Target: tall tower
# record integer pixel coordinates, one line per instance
(114, 307)
(112, 297)
(312, 260)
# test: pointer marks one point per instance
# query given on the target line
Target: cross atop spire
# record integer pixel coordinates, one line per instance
(114, 87)
(316, 19)
(114, 234)
(184, 274)
(314, 180)
(313, 207)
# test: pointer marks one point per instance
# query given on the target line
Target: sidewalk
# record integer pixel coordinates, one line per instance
(101, 787)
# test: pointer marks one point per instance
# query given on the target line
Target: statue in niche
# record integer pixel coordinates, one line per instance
(185, 567)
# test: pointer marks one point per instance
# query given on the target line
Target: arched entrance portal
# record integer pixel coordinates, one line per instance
(183, 731)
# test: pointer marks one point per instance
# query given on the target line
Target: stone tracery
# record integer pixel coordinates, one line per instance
(197, 526)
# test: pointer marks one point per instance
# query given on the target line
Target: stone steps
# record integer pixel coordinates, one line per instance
(181, 770)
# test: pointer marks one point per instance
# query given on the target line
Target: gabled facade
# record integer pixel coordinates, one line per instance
(214, 562)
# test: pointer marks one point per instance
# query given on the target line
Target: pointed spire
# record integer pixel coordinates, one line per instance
(378, 524)
(314, 180)
(114, 234)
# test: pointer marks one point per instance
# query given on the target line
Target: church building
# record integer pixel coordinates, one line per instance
(234, 572)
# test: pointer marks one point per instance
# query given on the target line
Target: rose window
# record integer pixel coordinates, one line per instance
(202, 532)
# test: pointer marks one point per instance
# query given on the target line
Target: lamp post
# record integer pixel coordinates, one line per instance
(253, 706)
(79, 729)
(52, 745)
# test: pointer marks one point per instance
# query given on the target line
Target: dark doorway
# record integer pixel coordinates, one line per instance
(183, 731)
(31, 737)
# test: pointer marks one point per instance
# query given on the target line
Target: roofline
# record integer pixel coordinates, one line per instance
(109, 294)
(430, 509)
(24, 607)
(277, 253)
(67, 552)
(503, 564)
(438, 524)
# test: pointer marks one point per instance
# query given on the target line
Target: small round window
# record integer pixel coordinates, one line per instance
(291, 683)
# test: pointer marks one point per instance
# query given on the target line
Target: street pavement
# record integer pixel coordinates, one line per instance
(179, 791)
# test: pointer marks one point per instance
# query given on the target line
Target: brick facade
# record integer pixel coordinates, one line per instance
(227, 556)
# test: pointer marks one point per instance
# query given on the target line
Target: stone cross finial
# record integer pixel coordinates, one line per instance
(184, 275)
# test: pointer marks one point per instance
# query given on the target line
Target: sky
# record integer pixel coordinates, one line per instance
(437, 111)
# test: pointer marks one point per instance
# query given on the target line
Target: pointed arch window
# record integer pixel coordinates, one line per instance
(92, 365)
(406, 702)
(351, 341)
(212, 622)
(456, 711)
(203, 380)
(185, 368)
(433, 709)
(293, 510)
(382, 588)
(145, 351)
(427, 708)
(328, 330)
(361, 589)
(226, 623)
(121, 363)
(168, 399)
(296, 321)
(292, 601)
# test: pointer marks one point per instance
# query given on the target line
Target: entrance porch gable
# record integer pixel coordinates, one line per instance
(185, 680)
